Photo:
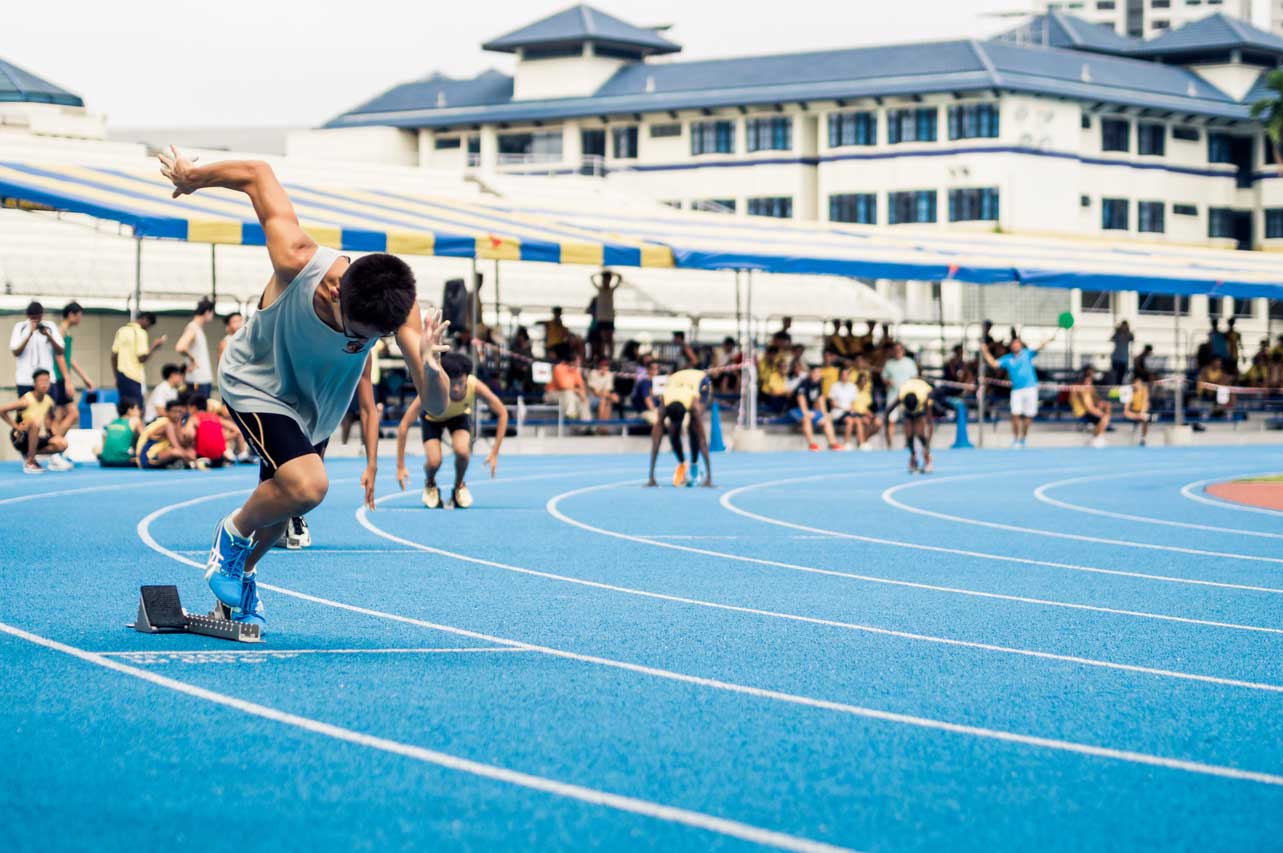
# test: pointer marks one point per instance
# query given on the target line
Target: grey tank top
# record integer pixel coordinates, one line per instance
(286, 361)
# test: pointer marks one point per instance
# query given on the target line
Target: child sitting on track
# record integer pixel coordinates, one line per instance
(119, 437)
(166, 442)
(914, 399)
(209, 436)
(30, 430)
(684, 395)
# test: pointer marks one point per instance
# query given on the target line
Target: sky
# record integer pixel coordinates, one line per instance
(287, 63)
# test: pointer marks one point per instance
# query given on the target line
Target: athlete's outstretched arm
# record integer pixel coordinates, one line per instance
(287, 243)
(428, 341)
(369, 430)
(411, 415)
(501, 428)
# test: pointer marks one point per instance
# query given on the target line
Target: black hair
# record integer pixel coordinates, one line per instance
(149, 317)
(72, 307)
(198, 402)
(180, 400)
(36, 374)
(380, 291)
(728, 340)
(456, 365)
(205, 305)
(169, 370)
(125, 404)
(34, 308)
(227, 321)
(911, 401)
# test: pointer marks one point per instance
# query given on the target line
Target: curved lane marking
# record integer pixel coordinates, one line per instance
(1191, 491)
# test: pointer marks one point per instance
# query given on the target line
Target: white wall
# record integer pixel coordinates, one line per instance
(562, 77)
(388, 145)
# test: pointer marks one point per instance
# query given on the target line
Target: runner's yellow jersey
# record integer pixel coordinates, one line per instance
(457, 407)
(683, 387)
(920, 389)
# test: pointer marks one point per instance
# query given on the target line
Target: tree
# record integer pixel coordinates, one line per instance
(1269, 112)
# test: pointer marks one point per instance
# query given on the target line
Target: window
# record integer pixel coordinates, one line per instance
(1276, 309)
(1115, 134)
(1185, 209)
(973, 121)
(592, 143)
(1104, 5)
(1085, 121)
(714, 205)
(1161, 303)
(1273, 223)
(1161, 25)
(624, 141)
(1241, 307)
(712, 137)
(551, 52)
(1220, 222)
(971, 205)
(1084, 201)
(777, 206)
(1149, 216)
(1113, 212)
(770, 134)
(1151, 139)
(916, 125)
(1161, 4)
(1188, 134)
(1218, 148)
(853, 129)
(445, 143)
(1097, 301)
(662, 131)
(854, 207)
(533, 147)
(913, 206)
(673, 203)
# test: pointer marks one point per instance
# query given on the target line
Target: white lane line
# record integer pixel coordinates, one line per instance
(152, 481)
(1191, 491)
(592, 796)
(888, 497)
(318, 550)
(555, 510)
(144, 533)
(1041, 494)
(427, 650)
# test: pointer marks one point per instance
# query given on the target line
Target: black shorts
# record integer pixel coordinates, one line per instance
(1089, 418)
(58, 391)
(19, 441)
(432, 430)
(915, 416)
(275, 438)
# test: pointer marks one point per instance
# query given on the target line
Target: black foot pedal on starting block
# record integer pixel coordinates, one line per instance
(161, 612)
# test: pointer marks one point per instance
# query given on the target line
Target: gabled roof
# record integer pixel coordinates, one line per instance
(1259, 90)
(440, 91)
(1060, 29)
(577, 25)
(17, 84)
(1216, 32)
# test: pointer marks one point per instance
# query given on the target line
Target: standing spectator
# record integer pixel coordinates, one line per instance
(1218, 346)
(606, 282)
(850, 403)
(193, 346)
(601, 385)
(1233, 346)
(897, 370)
(1142, 360)
(1122, 339)
(851, 343)
(231, 325)
(36, 345)
(1019, 364)
(64, 393)
(811, 408)
(870, 336)
(30, 432)
(567, 389)
(783, 337)
(834, 343)
(643, 397)
(556, 338)
(116, 450)
(1088, 407)
(130, 350)
(1137, 408)
(167, 390)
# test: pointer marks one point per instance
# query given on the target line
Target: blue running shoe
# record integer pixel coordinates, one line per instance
(693, 477)
(226, 565)
(250, 607)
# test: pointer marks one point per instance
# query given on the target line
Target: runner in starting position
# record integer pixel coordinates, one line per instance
(684, 394)
(915, 399)
(288, 375)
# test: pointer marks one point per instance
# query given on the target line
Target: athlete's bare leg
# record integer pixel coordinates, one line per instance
(297, 488)
(461, 441)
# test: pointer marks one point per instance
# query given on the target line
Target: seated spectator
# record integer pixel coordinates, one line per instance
(116, 450)
(1210, 378)
(797, 367)
(727, 360)
(829, 371)
(772, 380)
(851, 404)
(643, 398)
(1089, 408)
(601, 388)
(834, 342)
(30, 431)
(1258, 375)
(209, 438)
(812, 409)
(1276, 369)
(556, 336)
(167, 390)
(166, 442)
(567, 389)
(1137, 408)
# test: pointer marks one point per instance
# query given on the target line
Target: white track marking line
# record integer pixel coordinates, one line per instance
(1040, 493)
(1189, 490)
(427, 650)
(940, 549)
(592, 796)
(789, 698)
(104, 488)
(888, 497)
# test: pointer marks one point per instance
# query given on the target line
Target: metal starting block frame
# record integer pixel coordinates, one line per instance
(161, 612)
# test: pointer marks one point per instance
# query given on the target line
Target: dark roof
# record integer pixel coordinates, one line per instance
(19, 85)
(1060, 29)
(1217, 32)
(1259, 90)
(439, 91)
(577, 25)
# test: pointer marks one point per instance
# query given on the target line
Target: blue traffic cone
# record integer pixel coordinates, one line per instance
(960, 439)
(715, 443)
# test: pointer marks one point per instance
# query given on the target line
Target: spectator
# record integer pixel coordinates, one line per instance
(1210, 379)
(959, 372)
(194, 347)
(851, 343)
(556, 339)
(64, 393)
(1276, 369)
(870, 337)
(167, 390)
(851, 404)
(772, 377)
(834, 343)
(728, 361)
(783, 337)
(165, 442)
(900, 368)
(231, 325)
(812, 409)
(683, 354)
(1089, 408)
(30, 430)
(797, 367)
(601, 387)
(1258, 375)
(36, 345)
(643, 398)
(1137, 408)
(1233, 346)
(1122, 339)
(1278, 348)
(520, 354)
(1019, 365)
(567, 389)
(130, 350)
(209, 441)
(116, 450)
(606, 283)
(1218, 346)
(829, 370)
(1142, 360)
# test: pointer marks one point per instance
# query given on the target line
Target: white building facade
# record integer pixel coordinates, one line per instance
(1148, 18)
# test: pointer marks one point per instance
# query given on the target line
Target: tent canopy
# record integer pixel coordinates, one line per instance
(368, 220)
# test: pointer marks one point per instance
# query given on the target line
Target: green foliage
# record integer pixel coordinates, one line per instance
(1269, 112)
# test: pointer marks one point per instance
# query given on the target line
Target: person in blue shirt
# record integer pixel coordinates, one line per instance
(1019, 365)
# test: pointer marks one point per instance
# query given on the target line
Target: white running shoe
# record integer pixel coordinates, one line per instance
(32, 468)
(462, 498)
(867, 447)
(58, 462)
(297, 535)
(1098, 441)
(431, 497)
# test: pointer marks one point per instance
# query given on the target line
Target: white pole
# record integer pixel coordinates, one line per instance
(138, 277)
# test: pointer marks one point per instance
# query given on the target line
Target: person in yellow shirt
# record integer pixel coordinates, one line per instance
(29, 431)
(914, 399)
(1137, 408)
(556, 335)
(166, 442)
(130, 350)
(1088, 407)
(834, 343)
(772, 378)
(456, 420)
(685, 394)
(829, 373)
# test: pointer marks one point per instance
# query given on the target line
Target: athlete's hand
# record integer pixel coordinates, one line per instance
(89, 385)
(179, 170)
(402, 477)
(708, 482)
(367, 482)
(652, 484)
(492, 462)
(432, 343)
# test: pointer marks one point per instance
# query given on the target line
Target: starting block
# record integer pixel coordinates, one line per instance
(161, 612)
